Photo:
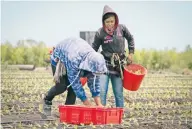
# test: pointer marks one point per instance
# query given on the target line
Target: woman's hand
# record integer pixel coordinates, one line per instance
(87, 103)
(130, 57)
(98, 101)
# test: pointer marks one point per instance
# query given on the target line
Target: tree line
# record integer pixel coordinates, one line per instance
(33, 52)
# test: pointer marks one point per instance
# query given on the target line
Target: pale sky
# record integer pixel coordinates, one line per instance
(153, 24)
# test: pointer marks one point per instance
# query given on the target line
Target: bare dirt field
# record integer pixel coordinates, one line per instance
(164, 101)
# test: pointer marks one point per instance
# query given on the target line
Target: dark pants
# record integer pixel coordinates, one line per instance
(60, 88)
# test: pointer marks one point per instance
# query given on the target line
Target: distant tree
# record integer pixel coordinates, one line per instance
(6, 52)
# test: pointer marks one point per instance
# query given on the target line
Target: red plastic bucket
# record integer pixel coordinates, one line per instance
(133, 76)
(83, 80)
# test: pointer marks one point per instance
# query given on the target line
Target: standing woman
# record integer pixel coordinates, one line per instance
(112, 39)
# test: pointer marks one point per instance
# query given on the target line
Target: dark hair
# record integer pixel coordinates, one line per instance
(108, 15)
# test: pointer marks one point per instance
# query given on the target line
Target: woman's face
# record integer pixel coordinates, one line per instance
(110, 22)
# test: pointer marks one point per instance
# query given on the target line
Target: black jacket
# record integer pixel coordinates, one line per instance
(113, 43)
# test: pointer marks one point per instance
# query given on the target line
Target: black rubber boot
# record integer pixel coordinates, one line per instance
(47, 107)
